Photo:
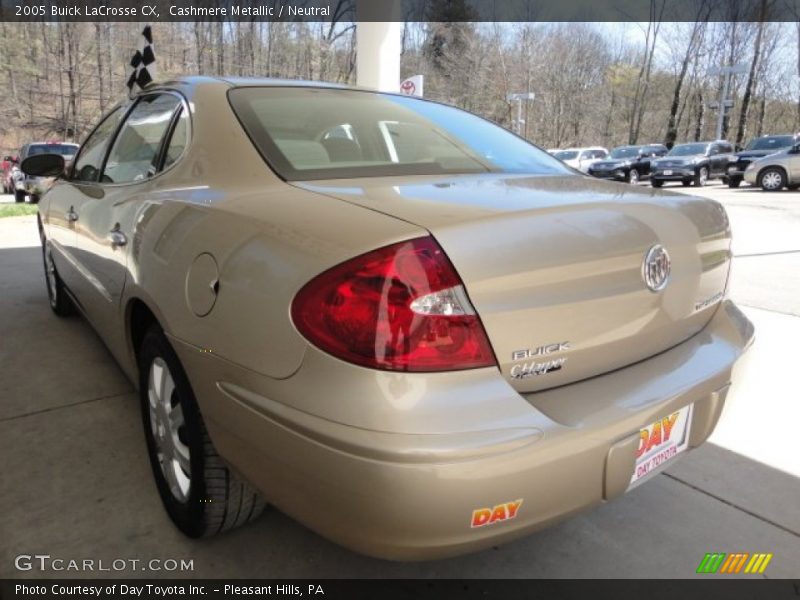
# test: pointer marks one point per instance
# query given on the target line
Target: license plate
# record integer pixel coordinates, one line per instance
(662, 441)
(668, 172)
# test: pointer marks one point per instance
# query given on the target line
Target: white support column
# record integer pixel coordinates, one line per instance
(378, 47)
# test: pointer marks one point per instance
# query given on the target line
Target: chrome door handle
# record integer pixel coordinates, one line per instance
(71, 215)
(117, 238)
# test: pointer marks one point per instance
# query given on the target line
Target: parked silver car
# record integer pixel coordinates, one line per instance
(776, 171)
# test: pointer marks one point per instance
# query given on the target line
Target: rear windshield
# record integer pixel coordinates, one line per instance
(312, 133)
(62, 149)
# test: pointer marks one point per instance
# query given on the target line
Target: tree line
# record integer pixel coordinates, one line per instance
(594, 83)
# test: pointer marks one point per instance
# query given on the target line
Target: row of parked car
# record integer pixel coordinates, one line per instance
(24, 187)
(771, 162)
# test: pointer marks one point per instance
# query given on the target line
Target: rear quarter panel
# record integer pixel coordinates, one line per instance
(266, 237)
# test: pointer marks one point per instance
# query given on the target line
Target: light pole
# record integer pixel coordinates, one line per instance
(519, 98)
(724, 102)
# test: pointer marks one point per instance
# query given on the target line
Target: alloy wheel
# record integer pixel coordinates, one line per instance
(168, 426)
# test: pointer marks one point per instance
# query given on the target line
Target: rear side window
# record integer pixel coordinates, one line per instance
(178, 140)
(308, 133)
(90, 159)
(134, 156)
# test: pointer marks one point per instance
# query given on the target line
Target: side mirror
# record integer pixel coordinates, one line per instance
(43, 165)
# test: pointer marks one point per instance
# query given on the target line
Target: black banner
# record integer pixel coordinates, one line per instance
(418, 589)
(400, 10)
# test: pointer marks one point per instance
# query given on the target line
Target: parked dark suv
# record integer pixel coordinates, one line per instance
(757, 148)
(694, 162)
(628, 163)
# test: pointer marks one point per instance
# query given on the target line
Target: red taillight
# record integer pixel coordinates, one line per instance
(401, 308)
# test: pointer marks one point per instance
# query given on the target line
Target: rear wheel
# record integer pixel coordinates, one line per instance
(701, 177)
(633, 177)
(772, 179)
(686, 183)
(200, 493)
(734, 182)
(656, 183)
(19, 195)
(33, 199)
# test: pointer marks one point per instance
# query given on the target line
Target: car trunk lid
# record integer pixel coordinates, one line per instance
(554, 265)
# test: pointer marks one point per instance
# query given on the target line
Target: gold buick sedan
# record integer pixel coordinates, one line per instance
(402, 325)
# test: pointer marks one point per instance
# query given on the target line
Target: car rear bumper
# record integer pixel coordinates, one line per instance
(411, 496)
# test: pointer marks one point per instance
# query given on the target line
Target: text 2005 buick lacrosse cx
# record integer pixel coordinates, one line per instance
(393, 320)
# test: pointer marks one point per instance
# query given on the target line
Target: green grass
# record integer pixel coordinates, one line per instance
(16, 210)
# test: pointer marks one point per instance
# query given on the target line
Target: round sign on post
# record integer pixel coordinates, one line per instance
(408, 87)
(412, 86)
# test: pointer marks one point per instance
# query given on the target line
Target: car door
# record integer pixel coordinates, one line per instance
(713, 160)
(719, 158)
(108, 207)
(68, 193)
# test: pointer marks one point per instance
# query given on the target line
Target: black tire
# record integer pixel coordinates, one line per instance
(734, 182)
(33, 199)
(217, 500)
(19, 195)
(60, 302)
(633, 177)
(770, 175)
(656, 183)
(701, 177)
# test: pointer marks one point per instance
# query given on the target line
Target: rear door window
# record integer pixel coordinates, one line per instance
(178, 140)
(134, 156)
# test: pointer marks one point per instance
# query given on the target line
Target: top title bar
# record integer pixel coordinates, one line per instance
(401, 10)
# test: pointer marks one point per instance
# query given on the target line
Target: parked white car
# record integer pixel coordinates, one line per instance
(582, 158)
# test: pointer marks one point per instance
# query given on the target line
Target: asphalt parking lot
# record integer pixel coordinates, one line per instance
(77, 484)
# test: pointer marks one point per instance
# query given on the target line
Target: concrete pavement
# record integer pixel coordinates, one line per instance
(77, 482)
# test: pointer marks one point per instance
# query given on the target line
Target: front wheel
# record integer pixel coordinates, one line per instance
(772, 179)
(200, 494)
(19, 195)
(734, 182)
(701, 177)
(633, 177)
